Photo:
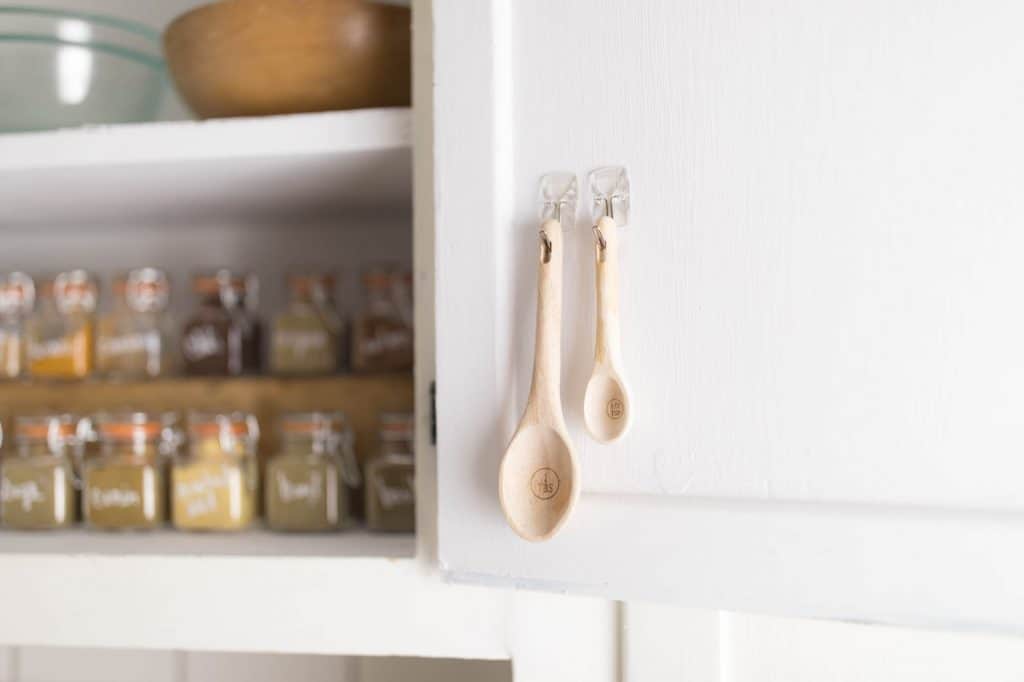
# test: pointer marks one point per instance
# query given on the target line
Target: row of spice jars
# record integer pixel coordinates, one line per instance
(60, 336)
(138, 470)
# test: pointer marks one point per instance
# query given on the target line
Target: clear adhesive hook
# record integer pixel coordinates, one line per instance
(557, 202)
(609, 187)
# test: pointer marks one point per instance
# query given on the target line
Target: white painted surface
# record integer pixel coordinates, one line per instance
(361, 606)
(252, 543)
(254, 169)
(815, 286)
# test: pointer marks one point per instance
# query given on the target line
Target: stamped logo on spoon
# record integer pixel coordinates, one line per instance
(544, 483)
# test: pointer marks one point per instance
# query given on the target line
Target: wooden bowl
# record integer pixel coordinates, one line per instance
(260, 57)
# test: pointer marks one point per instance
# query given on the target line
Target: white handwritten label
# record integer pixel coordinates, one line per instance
(308, 491)
(27, 494)
(395, 496)
(301, 342)
(49, 349)
(202, 342)
(120, 498)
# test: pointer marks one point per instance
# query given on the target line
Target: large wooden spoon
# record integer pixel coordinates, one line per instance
(539, 479)
(607, 412)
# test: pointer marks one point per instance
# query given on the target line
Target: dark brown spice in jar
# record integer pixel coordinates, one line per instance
(224, 336)
(382, 335)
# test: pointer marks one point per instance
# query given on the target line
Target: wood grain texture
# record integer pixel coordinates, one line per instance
(362, 398)
(264, 57)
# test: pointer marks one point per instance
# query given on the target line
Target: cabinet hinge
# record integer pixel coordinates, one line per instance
(433, 413)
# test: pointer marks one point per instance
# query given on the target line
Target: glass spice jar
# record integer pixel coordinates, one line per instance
(224, 336)
(306, 336)
(390, 477)
(307, 481)
(125, 483)
(214, 485)
(37, 479)
(61, 333)
(382, 335)
(17, 297)
(134, 338)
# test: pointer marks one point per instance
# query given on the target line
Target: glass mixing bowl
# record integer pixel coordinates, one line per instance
(60, 69)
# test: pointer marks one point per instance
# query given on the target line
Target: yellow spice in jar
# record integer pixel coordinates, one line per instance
(214, 493)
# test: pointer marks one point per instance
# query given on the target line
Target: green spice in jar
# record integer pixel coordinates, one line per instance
(214, 486)
(306, 336)
(307, 482)
(390, 477)
(124, 483)
(37, 490)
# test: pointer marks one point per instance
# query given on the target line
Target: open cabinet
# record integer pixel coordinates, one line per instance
(818, 281)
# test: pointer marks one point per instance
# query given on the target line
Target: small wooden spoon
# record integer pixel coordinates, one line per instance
(607, 411)
(539, 479)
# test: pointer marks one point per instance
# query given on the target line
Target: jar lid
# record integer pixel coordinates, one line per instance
(75, 291)
(397, 425)
(43, 427)
(317, 285)
(310, 423)
(134, 426)
(378, 277)
(146, 290)
(17, 294)
(214, 424)
(216, 283)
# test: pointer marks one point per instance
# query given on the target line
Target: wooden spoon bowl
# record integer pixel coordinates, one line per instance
(537, 482)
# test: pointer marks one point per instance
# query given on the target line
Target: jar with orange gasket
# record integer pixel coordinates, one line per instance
(215, 483)
(224, 336)
(37, 478)
(17, 298)
(125, 482)
(134, 337)
(61, 334)
(308, 480)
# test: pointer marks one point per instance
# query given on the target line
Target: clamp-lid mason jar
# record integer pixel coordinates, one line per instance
(307, 334)
(390, 477)
(223, 337)
(125, 482)
(215, 482)
(17, 299)
(307, 481)
(37, 476)
(134, 337)
(61, 333)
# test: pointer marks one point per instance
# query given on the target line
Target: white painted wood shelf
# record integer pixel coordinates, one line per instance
(349, 594)
(252, 169)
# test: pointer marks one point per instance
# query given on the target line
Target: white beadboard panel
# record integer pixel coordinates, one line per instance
(257, 667)
(553, 638)
(662, 643)
(62, 664)
(764, 649)
(432, 670)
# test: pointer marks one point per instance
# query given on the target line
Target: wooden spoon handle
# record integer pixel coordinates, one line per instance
(608, 343)
(545, 390)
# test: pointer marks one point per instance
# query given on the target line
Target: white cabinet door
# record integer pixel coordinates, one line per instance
(821, 288)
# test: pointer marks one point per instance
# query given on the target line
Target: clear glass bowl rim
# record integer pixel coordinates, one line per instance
(140, 32)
